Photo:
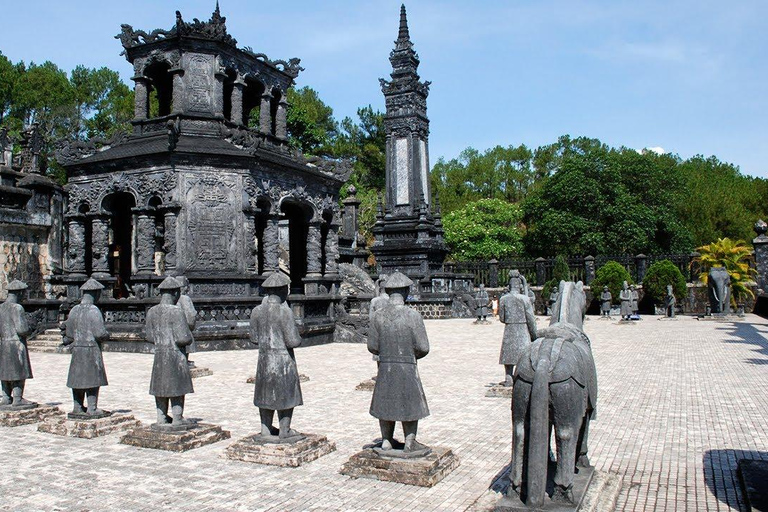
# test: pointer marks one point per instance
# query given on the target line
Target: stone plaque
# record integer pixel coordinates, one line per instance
(200, 83)
(424, 170)
(211, 224)
(402, 185)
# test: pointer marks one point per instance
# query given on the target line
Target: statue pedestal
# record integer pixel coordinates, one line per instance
(422, 471)
(366, 385)
(188, 438)
(88, 428)
(199, 372)
(252, 379)
(499, 391)
(581, 482)
(290, 453)
(11, 416)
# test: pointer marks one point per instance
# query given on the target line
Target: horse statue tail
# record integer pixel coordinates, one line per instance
(538, 440)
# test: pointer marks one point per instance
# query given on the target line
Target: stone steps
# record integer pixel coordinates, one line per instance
(48, 341)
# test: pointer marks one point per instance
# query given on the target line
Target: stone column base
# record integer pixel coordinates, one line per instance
(195, 436)
(88, 428)
(11, 416)
(422, 471)
(291, 453)
(499, 391)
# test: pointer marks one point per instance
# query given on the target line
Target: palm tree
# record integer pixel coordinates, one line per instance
(734, 255)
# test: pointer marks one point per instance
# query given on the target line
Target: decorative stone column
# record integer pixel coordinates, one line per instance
(641, 264)
(236, 113)
(332, 248)
(761, 257)
(314, 250)
(218, 94)
(170, 220)
(589, 269)
(493, 273)
(251, 241)
(265, 114)
(100, 245)
(349, 218)
(141, 93)
(177, 106)
(270, 243)
(76, 246)
(144, 240)
(281, 118)
(541, 271)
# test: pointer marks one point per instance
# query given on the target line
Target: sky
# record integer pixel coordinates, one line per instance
(686, 76)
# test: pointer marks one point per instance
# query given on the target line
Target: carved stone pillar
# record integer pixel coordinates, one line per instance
(141, 93)
(76, 247)
(218, 95)
(100, 245)
(314, 250)
(170, 218)
(271, 244)
(178, 91)
(251, 241)
(265, 114)
(332, 248)
(236, 115)
(281, 119)
(144, 248)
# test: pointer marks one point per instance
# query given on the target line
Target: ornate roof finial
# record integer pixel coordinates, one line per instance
(403, 33)
(216, 11)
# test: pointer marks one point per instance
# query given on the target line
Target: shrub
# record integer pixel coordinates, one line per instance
(661, 274)
(560, 272)
(612, 274)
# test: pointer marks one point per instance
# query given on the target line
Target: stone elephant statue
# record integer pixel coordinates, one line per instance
(719, 287)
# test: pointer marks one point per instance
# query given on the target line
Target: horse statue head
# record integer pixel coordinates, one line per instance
(571, 305)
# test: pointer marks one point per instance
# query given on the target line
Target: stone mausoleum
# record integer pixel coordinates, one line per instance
(205, 186)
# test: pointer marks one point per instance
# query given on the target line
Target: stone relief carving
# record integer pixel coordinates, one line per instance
(70, 152)
(142, 186)
(211, 223)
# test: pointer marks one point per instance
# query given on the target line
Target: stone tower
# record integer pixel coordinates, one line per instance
(408, 232)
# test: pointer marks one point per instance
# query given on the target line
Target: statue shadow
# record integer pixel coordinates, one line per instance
(721, 474)
(746, 333)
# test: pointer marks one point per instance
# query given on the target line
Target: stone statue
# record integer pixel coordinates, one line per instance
(719, 288)
(190, 314)
(166, 328)
(516, 311)
(605, 302)
(529, 293)
(84, 331)
(516, 279)
(555, 386)
(482, 305)
(381, 300)
(635, 299)
(15, 368)
(398, 336)
(277, 378)
(552, 299)
(670, 302)
(625, 296)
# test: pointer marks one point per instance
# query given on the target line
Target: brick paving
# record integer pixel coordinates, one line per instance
(679, 402)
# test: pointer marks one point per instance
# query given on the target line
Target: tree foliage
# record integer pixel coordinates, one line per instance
(612, 274)
(484, 229)
(560, 272)
(661, 274)
(310, 122)
(734, 255)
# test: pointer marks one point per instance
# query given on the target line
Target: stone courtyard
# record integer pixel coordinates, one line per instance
(679, 402)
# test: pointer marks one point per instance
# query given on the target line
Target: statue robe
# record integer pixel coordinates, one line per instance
(167, 328)
(398, 336)
(516, 311)
(626, 302)
(14, 358)
(84, 330)
(190, 313)
(606, 299)
(481, 303)
(277, 377)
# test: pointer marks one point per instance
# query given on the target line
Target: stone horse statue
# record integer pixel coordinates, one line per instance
(719, 287)
(555, 385)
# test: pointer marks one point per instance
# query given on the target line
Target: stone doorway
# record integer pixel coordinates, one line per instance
(118, 206)
(298, 217)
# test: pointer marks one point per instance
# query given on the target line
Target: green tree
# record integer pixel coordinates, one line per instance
(103, 103)
(485, 229)
(311, 125)
(612, 274)
(365, 143)
(661, 274)
(560, 272)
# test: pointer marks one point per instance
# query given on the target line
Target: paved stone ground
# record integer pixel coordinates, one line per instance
(679, 402)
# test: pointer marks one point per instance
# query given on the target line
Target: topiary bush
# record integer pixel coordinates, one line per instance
(612, 274)
(560, 272)
(661, 274)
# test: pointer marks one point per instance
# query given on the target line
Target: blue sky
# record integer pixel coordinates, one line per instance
(687, 76)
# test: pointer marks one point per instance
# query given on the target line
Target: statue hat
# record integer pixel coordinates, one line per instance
(92, 285)
(276, 280)
(397, 280)
(16, 285)
(169, 283)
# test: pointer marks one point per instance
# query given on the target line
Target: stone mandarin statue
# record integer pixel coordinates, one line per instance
(625, 296)
(552, 298)
(15, 368)
(398, 336)
(277, 377)
(190, 313)
(377, 303)
(167, 329)
(605, 302)
(482, 304)
(670, 302)
(84, 331)
(635, 299)
(516, 312)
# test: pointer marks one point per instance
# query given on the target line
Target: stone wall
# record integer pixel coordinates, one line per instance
(24, 256)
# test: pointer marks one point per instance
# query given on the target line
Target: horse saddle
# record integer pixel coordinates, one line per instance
(564, 360)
